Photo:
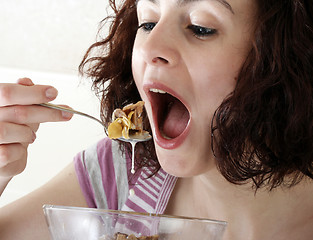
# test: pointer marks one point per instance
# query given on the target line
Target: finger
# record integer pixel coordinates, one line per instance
(15, 166)
(17, 94)
(16, 133)
(34, 126)
(32, 114)
(25, 82)
(11, 152)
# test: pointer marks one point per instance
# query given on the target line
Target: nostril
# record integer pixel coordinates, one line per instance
(159, 59)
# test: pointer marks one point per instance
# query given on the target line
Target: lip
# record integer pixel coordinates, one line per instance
(159, 139)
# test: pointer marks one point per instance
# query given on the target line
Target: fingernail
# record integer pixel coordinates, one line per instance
(67, 115)
(51, 93)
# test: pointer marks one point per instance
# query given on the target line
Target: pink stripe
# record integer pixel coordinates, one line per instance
(104, 152)
(146, 179)
(84, 181)
(145, 182)
(145, 197)
(170, 188)
(151, 183)
(159, 176)
(136, 208)
(143, 185)
(165, 194)
(162, 173)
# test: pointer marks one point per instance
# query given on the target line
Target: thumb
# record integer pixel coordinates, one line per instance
(25, 82)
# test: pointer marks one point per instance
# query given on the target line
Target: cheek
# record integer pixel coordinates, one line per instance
(213, 84)
(137, 70)
(135, 63)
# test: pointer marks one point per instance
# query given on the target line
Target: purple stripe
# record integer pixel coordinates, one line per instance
(149, 180)
(152, 182)
(159, 177)
(146, 188)
(84, 181)
(136, 208)
(144, 182)
(162, 173)
(104, 152)
(165, 194)
(145, 197)
(170, 188)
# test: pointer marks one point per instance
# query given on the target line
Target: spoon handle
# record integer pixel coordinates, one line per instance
(65, 109)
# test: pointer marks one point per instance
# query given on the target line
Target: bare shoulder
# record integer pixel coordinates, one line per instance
(24, 218)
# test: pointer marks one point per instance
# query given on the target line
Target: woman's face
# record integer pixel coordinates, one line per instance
(186, 57)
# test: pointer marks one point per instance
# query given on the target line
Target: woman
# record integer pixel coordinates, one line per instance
(228, 95)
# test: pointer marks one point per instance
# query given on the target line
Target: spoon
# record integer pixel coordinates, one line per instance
(134, 138)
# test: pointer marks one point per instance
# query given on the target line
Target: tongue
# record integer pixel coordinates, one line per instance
(176, 120)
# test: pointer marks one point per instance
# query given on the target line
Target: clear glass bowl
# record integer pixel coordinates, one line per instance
(72, 223)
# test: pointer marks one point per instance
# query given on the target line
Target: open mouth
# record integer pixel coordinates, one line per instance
(172, 115)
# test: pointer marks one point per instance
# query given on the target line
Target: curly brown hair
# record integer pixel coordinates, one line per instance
(108, 63)
(262, 131)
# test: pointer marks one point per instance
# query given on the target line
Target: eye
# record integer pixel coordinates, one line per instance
(202, 32)
(147, 27)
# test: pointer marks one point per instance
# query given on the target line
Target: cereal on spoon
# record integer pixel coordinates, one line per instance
(125, 120)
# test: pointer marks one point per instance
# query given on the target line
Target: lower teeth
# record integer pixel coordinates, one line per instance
(164, 136)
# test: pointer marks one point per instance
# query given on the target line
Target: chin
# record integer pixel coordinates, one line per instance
(181, 163)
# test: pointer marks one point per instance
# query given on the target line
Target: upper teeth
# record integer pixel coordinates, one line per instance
(155, 90)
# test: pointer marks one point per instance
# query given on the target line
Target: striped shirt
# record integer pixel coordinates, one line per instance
(104, 175)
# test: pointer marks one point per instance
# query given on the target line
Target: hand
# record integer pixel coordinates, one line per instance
(19, 121)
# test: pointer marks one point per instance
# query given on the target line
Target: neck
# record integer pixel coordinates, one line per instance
(283, 213)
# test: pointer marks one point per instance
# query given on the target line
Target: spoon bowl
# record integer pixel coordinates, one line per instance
(145, 136)
(133, 138)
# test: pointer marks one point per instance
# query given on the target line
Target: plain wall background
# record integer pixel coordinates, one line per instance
(48, 35)
(46, 40)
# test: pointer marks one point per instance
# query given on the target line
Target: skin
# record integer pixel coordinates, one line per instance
(24, 219)
(201, 70)
(169, 57)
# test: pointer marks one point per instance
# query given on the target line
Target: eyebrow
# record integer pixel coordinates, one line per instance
(223, 2)
(183, 2)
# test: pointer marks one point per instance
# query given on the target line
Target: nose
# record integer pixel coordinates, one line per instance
(160, 46)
